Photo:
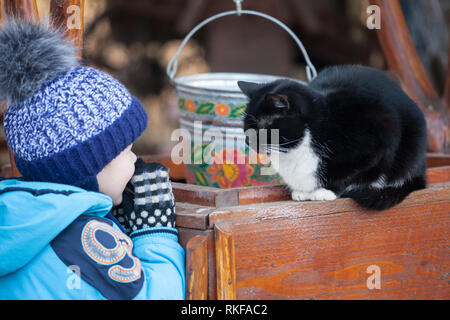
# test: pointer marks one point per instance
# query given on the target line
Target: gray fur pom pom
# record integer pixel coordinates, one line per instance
(31, 53)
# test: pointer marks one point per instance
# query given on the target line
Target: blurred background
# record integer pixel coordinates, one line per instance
(134, 40)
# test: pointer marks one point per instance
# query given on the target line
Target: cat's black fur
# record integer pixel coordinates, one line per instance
(362, 126)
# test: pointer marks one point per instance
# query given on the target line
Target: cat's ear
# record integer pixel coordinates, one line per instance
(248, 88)
(279, 101)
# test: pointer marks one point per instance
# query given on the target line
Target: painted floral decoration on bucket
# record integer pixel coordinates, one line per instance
(212, 108)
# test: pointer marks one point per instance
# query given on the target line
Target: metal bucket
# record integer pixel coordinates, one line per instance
(211, 109)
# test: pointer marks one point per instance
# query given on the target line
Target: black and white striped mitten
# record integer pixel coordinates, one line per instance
(148, 199)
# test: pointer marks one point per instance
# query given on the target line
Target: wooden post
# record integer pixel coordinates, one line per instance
(402, 57)
(225, 262)
(2, 12)
(24, 9)
(65, 14)
(197, 268)
(69, 15)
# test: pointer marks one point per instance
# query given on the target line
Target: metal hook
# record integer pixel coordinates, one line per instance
(238, 6)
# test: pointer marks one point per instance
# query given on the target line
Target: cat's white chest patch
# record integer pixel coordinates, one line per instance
(298, 167)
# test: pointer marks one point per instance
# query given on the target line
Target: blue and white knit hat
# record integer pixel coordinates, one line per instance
(64, 122)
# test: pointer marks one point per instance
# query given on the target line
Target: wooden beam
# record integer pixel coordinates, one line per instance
(23, 9)
(438, 175)
(197, 268)
(2, 12)
(225, 263)
(402, 58)
(69, 15)
(184, 236)
(205, 196)
(201, 198)
(261, 194)
(437, 160)
(294, 209)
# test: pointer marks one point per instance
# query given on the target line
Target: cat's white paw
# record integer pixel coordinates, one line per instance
(300, 196)
(317, 195)
(322, 194)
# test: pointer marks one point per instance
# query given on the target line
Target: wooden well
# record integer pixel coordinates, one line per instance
(256, 243)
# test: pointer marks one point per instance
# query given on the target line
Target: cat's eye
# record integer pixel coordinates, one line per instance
(278, 100)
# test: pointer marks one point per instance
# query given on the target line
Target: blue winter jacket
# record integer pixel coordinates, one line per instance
(56, 243)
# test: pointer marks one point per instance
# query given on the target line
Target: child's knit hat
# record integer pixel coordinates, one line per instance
(64, 122)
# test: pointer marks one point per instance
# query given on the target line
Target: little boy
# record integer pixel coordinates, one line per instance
(71, 129)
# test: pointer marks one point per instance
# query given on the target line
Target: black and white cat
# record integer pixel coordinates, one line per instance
(351, 132)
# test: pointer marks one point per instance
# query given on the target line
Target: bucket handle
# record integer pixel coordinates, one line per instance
(173, 63)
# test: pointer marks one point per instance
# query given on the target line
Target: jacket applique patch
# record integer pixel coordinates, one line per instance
(103, 254)
(108, 246)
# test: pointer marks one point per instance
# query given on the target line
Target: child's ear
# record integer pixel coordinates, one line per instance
(248, 88)
(279, 101)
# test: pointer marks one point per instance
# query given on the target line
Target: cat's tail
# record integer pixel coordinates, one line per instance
(385, 198)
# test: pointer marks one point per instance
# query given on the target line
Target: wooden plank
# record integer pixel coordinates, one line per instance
(438, 175)
(271, 193)
(329, 256)
(438, 160)
(293, 209)
(184, 235)
(197, 268)
(205, 196)
(261, 194)
(225, 263)
(191, 215)
(194, 194)
(215, 197)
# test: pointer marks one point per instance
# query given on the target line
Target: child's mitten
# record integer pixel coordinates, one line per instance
(119, 213)
(148, 199)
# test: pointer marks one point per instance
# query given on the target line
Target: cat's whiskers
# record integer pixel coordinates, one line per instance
(274, 147)
(288, 142)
